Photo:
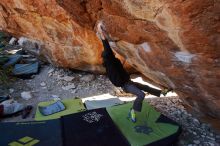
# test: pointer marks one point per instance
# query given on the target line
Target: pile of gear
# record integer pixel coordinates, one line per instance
(13, 56)
(14, 62)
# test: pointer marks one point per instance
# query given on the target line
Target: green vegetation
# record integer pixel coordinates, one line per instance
(4, 75)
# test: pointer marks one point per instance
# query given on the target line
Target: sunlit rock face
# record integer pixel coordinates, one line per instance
(175, 44)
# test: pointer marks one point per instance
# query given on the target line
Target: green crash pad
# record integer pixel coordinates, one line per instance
(72, 106)
(151, 128)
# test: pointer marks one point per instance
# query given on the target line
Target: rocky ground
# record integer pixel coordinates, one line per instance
(52, 83)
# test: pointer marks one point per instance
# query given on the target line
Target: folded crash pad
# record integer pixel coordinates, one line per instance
(91, 128)
(71, 105)
(43, 133)
(152, 128)
(26, 69)
(101, 102)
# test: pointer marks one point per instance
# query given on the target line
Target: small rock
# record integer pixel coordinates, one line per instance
(11, 90)
(67, 78)
(173, 109)
(50, 71)
(211, 138)
(50, 74)
(181, 107)
(74, 91)
(42, 84)
(55, 73)
(194, 133)
(71, 86)
(60, 77)
(190, 145)
(211, 144)
(26, 95)
(44, 87)
(196, 121)
(196, 141)
(87, 78)
(54, 96)
(12, 41)
(190, 115)
(178, 112)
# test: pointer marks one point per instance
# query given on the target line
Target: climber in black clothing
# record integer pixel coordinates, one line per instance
(120, 78)
(114, 69)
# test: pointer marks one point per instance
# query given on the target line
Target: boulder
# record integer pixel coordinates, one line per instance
(173, 43)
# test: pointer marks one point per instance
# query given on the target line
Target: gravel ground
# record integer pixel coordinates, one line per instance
(53, 83)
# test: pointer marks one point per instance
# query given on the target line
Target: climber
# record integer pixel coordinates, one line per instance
(120, 78)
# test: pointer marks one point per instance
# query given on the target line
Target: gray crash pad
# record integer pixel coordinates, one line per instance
(96, 102)
(26, 69)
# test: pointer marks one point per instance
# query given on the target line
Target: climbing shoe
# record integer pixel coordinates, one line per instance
(165, 91)
(26, 111)
(132, 115)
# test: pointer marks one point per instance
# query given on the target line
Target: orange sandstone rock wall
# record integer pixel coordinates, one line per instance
(174, 43)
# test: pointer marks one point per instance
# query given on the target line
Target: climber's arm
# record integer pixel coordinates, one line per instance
(107, 49)
(107, 54)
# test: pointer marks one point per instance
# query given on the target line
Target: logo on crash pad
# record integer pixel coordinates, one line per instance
(25, 141)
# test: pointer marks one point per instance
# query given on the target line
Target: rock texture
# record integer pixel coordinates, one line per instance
(173, 43)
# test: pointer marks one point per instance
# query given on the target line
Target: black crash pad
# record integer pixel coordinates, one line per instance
(93, 128)
(43, 133)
